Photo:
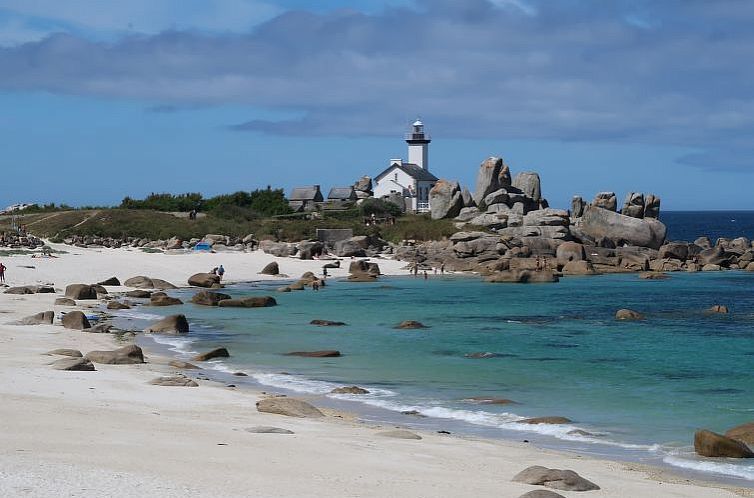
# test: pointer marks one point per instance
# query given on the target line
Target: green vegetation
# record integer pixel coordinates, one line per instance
(379, 208)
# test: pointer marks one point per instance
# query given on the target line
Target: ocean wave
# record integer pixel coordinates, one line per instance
(138, 315)
(304, 385)
(742, 470)
(180, 345)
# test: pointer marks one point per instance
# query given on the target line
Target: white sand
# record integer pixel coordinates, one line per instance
(109, 433)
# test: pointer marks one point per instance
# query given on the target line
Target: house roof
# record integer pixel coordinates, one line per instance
(412, 170)
(310, 193)
(341, 193)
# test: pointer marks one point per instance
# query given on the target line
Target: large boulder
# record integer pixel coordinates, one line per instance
(566, 480)
(445, 200)
(651, 206)
(578, 205)
(73, 364)
(579, 268)
(75, 320)
(570, 251)
(528, 182)
(26, 289)
(115, 305)
(140, 282)
(743, 433)
(546, 217)
(290, 407)
(711, 444)
(353, 247)
(674, 250)
(488, 178)
(203, 280)
(208, 298)
(126, 355)
(162, 299)
(43, 318)
(633, 206)
(605, 200)
(173, 324)
(715, 256)
(215, 353)
(248, 302)
(600, 223)
(280, 249)
(80, 291)
(271, 269)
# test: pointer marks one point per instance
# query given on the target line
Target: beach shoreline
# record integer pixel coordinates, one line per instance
(109, 431)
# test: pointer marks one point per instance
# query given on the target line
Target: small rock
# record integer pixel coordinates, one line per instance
(43, 318)
(75, 320)
(567, 480)
(139, 294)
(541, 493)
(349, 390)
(81, 291)
(73, 364)
(240, 374)
(65, 301)
(207, 298)
(411, 324)
(263, 429)
(546, 420)
(653, 275)
(400, 434)
(115, 305)
(315, 354)
(66, 352)
(290, 407)
(626, 314)
(215, 353)
(163, 300)
(248, 302)
(112, 281)
(178, 381)
(271, 269)
(485, 400)
(327, 323)
(718, 308)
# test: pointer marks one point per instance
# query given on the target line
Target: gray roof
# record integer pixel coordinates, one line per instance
(412, 170)
(310, 193)
(342, 193)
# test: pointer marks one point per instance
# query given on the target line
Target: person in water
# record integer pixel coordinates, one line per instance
(221, 271)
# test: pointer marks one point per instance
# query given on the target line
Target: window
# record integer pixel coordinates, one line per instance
(396, 176)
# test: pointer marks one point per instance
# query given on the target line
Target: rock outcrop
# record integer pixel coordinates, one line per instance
(248, 302)
(601, 223)
(207, 280)
(445, 200)
(487, 180)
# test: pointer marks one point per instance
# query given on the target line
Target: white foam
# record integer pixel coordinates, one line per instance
(744, 471)
(177, 344)
(294, 383)
(139, 315)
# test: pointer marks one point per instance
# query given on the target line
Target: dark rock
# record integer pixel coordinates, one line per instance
(45, 289)
(126, 355)
(410, 324)
(75, 353)
(101, 328)
(112, 281)
(139, 294)
(566, 480)
(75, 320)
(115, 305)
(653, 275)
(73, 364)
(43, 318)
(80, 291)
(362, 277)
(208, 298)
(349, 390)
(330, 353)
(99, 290)
(546, 420)
(710, 444)
(626, 314)
(140, 282)
(290, 407)
(177, 381)
(271, 269)
(240, 374)
(523, 277)
(651, 206)
(577, 206)
(486, 400)
(248, 302)
(65, 301)
(327, 323)
(215, 353)
(203, 280)
(163, 300)
(718, 308)
(173, 324)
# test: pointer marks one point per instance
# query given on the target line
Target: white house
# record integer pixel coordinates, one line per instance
(412, 179)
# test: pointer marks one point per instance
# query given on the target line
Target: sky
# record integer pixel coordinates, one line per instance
(101, 99)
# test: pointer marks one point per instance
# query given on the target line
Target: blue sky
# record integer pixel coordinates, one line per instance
(100, 100)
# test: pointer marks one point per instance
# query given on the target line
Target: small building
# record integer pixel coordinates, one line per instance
(411, 179)
(305, 198)
(341, 194)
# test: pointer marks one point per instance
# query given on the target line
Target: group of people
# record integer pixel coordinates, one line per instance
(219, 271)
(415, 270)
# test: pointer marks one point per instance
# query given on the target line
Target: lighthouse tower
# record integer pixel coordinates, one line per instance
(418, 145)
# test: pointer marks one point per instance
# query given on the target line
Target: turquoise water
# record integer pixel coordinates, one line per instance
(640, 388)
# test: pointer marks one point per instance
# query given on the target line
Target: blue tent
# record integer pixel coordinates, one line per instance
(202, 246)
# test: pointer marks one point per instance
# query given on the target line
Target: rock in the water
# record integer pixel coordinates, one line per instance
(528, 182)
(362, 277)
(710, 444)
(626, 314)
(126, 355)
(328, 353)
(112, 281)
(487, 400)
(653, 275)
(290, 407)
(400, 434)
(349, 390)
(162, 299)
(75, 353)
(178, 381)
(182, 364)
(115, 305)
(203, 280)
(75, 320)
(579, 268)
(445, 200)
(566, 480)
(65, 301)
(541, 493)
(488, 178)
(139, 294)
(546, 420)
(215, 353)
(248, 302)
(264, 429)
(326, 323)
(271, 269)
(73, 364)
(718, 308)
(602, 223)
(43, 318)
(743, 433)
(209, 298)
(411, 324)
(80, 291)
(173, 324)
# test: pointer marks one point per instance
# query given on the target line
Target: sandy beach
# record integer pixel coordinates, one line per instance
(111, 433)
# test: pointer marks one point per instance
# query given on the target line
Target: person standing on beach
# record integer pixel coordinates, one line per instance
(2, 273)
(220, 271)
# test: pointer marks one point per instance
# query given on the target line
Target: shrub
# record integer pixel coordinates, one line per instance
(379, 208)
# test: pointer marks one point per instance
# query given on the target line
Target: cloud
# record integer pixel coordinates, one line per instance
(509, 69)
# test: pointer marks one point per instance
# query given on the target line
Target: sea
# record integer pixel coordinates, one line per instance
(634, 391)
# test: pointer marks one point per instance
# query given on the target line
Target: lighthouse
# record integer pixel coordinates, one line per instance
(418, 145)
